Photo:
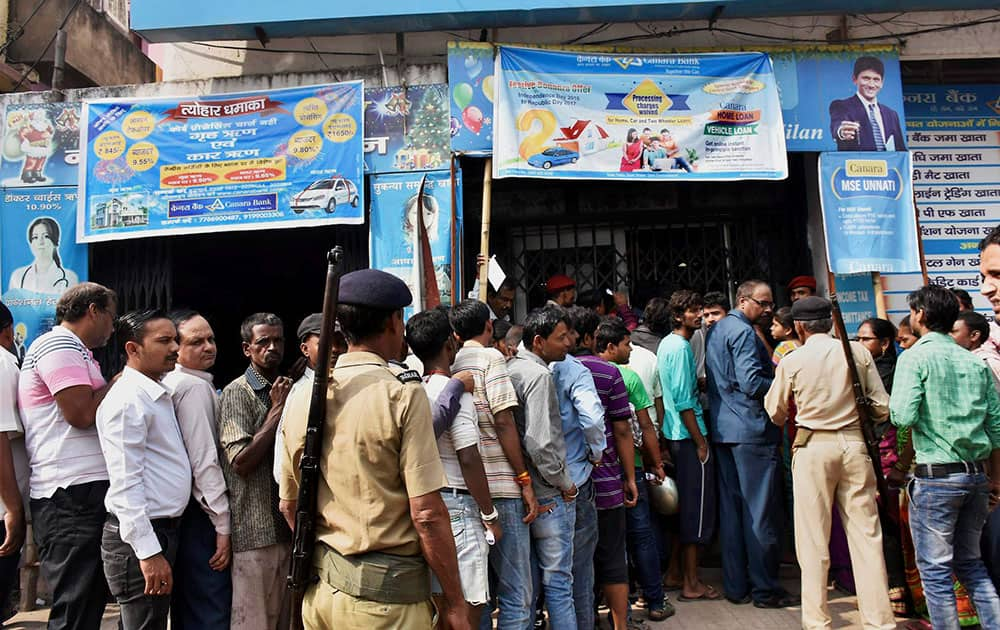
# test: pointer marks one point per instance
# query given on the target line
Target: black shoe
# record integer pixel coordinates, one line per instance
(738, 602)
(778, 601)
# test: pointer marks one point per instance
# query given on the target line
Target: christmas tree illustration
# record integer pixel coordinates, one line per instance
(430, 130)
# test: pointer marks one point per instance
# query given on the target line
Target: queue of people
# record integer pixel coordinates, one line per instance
(487, 471)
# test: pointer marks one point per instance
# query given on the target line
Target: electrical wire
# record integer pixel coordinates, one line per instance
(284, 50)
(62, 25)
(19, 31)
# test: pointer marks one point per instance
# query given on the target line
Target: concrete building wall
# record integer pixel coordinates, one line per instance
(217, 59)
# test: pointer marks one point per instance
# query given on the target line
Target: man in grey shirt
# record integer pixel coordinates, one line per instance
(546, 339)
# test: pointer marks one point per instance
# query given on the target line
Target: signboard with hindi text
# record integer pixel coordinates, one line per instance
(571, 115)
(954, 137)
(255, 160)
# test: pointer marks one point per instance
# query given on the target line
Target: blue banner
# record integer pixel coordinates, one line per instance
(470, 83)
(41, 145)
(393, 228)
(821, 90)
(567, 115)
(269, 159)
(868, 213)
(406, 128)
(856, 295)
(40, 259)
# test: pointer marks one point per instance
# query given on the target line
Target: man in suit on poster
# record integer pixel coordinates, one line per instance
(860, 122)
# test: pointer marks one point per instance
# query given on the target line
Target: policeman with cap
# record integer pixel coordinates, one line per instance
(381, 523)
(562, 290)
(830, 463)
(800, 287)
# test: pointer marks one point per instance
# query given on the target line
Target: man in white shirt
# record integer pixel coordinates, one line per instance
(149, 471)
(467, 495)
(58, 394)
(203, 591)
(13, 462)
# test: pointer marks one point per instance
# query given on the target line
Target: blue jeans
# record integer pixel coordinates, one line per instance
(510, 562)
(584, 544)
(642, 548)
(552, 542)
(947, 516)
(750, 518)
(202, 597)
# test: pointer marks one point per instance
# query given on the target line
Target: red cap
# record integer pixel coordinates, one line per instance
(559, 282)
(802, 281)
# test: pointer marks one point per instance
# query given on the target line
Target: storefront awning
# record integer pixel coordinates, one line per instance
(186, 20)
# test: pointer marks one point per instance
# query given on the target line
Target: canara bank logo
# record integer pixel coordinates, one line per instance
(994, 105)
(647, 99)
(625, 62)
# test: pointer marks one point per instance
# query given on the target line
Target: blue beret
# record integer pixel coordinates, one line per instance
(811, 308)
(374, 289)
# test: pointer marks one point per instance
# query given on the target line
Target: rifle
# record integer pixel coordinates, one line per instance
(861, 404)
(300, 571)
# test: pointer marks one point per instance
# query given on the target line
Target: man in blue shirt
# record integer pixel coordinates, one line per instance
(583, 429)
(745, 443)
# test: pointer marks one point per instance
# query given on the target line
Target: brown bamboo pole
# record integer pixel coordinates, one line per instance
(484, 241)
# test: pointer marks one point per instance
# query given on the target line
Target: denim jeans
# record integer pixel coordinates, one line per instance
(552, 546)
(510, 562)
(138, 610)
(584, 544)
(947, 516)
(68, 528)
(202, 596)
(642, 547)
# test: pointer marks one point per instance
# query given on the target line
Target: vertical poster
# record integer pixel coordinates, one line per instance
(470, 82)
(954, 137)
(248, 161)
(41, 145)
(39, 258)
(393, 224)
(566, 115)
(406, 128)
(868, 217)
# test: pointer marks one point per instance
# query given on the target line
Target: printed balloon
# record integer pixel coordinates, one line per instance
(488, 87)
(473, 65)
(462, 95)
(473, 118)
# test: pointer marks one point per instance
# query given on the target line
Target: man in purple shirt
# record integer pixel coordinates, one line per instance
(613, 494)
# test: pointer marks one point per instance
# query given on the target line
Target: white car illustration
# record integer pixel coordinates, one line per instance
(326, 194)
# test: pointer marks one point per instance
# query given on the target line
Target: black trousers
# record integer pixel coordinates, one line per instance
(8, 571)
(68, 534)
(138, 610)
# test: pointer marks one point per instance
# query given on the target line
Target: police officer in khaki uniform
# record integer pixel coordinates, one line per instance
(381, 523)
(830, 464)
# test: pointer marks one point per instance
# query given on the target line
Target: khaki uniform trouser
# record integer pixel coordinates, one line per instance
(833, 468)
(326, 608)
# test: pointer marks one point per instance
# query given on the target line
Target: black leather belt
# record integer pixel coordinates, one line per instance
(455, 491)
(932, 471)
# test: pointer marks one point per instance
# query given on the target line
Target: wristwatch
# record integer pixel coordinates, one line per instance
(492, 516)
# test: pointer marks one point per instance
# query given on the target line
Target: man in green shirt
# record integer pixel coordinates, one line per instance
(945, 394)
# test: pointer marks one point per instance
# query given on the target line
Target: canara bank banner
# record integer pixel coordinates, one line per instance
(568, 115)
(868, 212)
(270, 159)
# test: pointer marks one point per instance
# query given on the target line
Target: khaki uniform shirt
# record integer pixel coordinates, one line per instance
(816, 375)
(378, 452)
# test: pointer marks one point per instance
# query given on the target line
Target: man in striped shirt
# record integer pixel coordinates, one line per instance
(58, 394)
(613, 495)
(503, 459)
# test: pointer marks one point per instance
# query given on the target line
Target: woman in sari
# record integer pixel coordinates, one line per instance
(632, 152)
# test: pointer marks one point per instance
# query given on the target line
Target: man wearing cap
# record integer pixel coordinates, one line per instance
(561, 290)
(800, 287)
(830, 463)
(308, 336)
(381, 525)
